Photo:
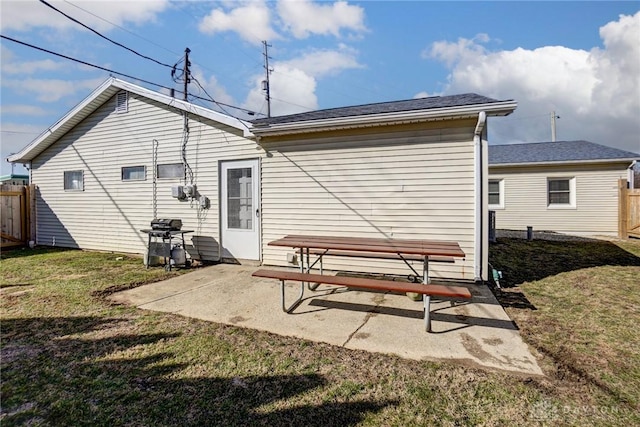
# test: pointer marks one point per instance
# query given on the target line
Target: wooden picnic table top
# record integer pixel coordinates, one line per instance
(368, 244)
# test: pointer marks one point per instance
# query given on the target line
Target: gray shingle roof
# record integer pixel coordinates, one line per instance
(432, 102)
(560, 151)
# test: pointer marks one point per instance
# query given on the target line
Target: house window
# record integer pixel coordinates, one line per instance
(496, 193)
(171, 170)
(122, 102)
(561, 192)
(133, 173)
(73, 180)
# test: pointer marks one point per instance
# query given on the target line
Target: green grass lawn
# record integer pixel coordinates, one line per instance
(70, 357)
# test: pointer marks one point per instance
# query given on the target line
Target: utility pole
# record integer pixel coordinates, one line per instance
(265, 82)
(187, 72)
(553, 126)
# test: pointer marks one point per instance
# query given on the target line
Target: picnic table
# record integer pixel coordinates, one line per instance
(382, 248)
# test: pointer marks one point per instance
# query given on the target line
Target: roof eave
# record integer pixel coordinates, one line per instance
(501, 108)
(564, 162)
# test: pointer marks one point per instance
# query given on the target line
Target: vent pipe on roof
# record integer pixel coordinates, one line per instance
(553, 125)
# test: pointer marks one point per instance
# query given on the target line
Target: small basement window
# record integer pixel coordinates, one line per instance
(122, 102)
(170, 170)
(74, 180)
(561, 192)
(133, 173)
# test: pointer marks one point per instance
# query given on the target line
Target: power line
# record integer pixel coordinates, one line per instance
(81, 62)
(136, 35)
(20, 132)
(104, 37)
(119, 73)
(122, 28)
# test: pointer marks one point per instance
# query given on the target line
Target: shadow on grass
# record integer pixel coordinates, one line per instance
(39, 250)
(526, 261)
(55, 374)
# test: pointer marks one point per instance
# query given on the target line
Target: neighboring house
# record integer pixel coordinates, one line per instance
(14, 179)
(566, 186)
(407, 169)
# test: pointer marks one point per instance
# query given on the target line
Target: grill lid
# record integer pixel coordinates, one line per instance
(166, 224)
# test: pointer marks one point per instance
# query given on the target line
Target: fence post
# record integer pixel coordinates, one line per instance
(32, 212)
(623, 213)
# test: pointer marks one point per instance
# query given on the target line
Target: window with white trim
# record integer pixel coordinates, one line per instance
(74, 180)
(561, 192)
(496, 193)
(133, 173)
(122, 102)
(170, 170)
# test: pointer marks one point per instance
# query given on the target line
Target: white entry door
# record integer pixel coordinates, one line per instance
(240, 209)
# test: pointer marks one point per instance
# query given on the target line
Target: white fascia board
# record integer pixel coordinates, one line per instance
(562, 163)
(109, 88)
(493, 109)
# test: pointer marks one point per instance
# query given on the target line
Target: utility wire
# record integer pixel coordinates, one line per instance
(81, 62)
(118, 73)
(104, 37)
(122, 28)
(173, 67)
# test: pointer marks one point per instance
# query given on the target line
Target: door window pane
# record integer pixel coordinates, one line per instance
(239, 199)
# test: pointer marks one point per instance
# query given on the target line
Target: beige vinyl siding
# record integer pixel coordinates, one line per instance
(403, 184)
(525, 198)
(109, 213)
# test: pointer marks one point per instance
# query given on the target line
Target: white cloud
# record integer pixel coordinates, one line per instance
(28, 14)
(251, 21)
(292, 91)
(293, 83)
(10, 64)
(23, 110)
(51, 90)
(596, 93)
(212, 87)
(321, 63)
(304, 17)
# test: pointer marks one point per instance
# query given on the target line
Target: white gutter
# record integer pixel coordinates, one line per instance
(502, 108)
(631, 174)
(562, 162)
(481, 225)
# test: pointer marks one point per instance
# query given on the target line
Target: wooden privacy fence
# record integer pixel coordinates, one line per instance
(628, 211)
(17, 215)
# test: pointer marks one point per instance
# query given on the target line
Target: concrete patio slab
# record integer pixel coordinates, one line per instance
(476, 333)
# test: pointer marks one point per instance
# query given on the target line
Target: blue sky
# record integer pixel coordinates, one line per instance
(580, 59)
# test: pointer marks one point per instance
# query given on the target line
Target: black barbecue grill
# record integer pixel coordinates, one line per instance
(166, 240)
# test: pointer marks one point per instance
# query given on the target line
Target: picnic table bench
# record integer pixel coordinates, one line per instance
(385, 248)
(364, 283)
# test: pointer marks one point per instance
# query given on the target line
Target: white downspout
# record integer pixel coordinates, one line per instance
(480, 258)
(631, 174)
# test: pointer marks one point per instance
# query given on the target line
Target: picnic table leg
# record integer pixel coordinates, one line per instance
(309, 265)
(426, 298)
(296, 302)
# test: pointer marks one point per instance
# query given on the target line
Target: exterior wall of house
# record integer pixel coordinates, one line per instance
(416, 182)
(109, 213)
(525, 198)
